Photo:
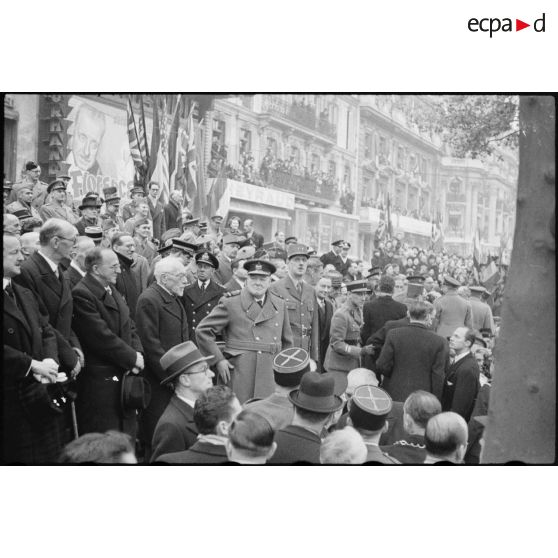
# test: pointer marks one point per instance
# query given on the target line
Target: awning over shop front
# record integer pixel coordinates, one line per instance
(249, 208)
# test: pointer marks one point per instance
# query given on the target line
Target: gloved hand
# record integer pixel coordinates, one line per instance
(367, 350)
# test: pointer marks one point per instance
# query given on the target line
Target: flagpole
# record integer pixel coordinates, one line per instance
(142, 114)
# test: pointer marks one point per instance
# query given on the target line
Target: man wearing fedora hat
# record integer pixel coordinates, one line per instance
(162, 324)
(344, 351)
(288, 368)
(186, 372)
(451, 310)
(201, 297)
(255, 324)
(314, 404)
(89, 208)
(301, 302)
(57, 206)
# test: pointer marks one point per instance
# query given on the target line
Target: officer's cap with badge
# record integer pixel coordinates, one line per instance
(449, 281)
(289, 366)
(183, 246)
(57, 182)
(259, 267)
(338, 243)
(369, 407)
(360, 286)
(477, 289)
(165, 248)
(207, 258)
(374, 271)
(294, 250)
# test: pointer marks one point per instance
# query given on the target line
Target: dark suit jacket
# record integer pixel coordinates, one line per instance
(461, 387)
(173, 217)
(332, 258)
(200, 453)
(379, 338)
(175, 430)
(377, 312)
(224, 273)
(109, 341)
(126, 283)
(295, 444)
(232, 286)
(324, 320)
(198, 305)
(73, 277)
(158, 218)
(26, 437)
(56, 297)
(255, 240)
(412, 358)
(410, 449)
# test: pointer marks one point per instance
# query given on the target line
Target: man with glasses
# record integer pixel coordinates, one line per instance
(162, 324)
(57, 207)
(108, 337)
(186, 372)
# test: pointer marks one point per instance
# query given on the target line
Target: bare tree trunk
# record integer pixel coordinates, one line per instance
(522, 411)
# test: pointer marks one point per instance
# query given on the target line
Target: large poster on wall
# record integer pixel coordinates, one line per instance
(98, 149)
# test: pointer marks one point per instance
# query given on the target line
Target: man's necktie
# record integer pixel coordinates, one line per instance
(202, 288)
(299, 289)
(10, 292)
(260, 302)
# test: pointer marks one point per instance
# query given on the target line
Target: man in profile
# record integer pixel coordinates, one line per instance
(89, 128)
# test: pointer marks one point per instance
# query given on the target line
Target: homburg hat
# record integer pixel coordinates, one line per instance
(316, 393)
(180, 359)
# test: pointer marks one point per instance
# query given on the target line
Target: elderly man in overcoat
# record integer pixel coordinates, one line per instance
(255, 324)
(161, 323)
(108, 338)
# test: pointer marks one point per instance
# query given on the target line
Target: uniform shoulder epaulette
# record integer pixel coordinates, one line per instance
(232, 293)
(276, 294)
(253, 400)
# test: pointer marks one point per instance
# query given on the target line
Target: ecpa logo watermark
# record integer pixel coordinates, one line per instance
(493, 25)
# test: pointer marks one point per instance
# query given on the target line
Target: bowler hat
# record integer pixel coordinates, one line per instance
(297, 250)
(316, 393)
(207, 258)
(179, 359)
(90, 201)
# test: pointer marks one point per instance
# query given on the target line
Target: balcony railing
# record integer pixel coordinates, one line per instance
(301, 185)
(305, 115)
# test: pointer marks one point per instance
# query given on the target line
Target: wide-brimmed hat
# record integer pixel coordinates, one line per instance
(316, 394)
(179, 359)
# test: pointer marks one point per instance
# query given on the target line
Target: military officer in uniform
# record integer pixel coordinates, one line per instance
(333, 257)
(344, 351)
(369, 409)
(452, 311)
(481, 312)
(201, 297)
(57, 206)
(301, 302)
(255, 324)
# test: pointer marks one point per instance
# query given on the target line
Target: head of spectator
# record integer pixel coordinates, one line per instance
(445, 438)
(280, 238)
(13, 258)
(29, 243)
(248, 226)
(352, 271)
(238, 271)
(24, 193)
(112, 201)
(89, 128)
(109, 228)
(153, 191)
(281, 269)
(388, 270)
(428, 284)
(329, 268)
(170, 274)
(214, 412)
(337, 246)
(136, 193)
(142, 229)
(386, 286)
(206, 264)
(11, 224)
(141, 208)
(234, 225)
(231, 244)
(31, 225)
(399, 285)
(251, 439)
(396, 270)
(81, 247)
(420, 311)
(90, 207)
(176, 197)
(182, 250)
(359, 377)
(32, 172)
(323, 288)
(297, 258)
(291, 240)
(418, 409)
(464, 292)
(369, 408)
(259, 277)
(103, 265)
(462, 340)
(57, 191)
(57, 239)
(109, 447)
(315, 401)
(123, 244)
(343, 447)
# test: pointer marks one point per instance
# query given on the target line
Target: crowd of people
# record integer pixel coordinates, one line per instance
(144, 334)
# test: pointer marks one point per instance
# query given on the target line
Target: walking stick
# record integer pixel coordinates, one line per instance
(74, 419)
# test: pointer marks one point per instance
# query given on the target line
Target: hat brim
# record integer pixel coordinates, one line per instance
(183, 370)
(294, 399)
(90, 207)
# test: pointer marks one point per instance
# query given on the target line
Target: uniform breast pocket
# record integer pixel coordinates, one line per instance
(291, 306)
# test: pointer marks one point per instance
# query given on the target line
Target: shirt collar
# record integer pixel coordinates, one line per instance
(77, 268)
(212, 439)
(7, 282)
(51, 264)
(190, 402)
(203, 283)
(457, 358)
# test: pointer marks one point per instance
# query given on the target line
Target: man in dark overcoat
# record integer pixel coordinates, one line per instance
(325, 313)
(108, 338)
(156, 211)
(161, 324)
(31, 433)
(334, 255)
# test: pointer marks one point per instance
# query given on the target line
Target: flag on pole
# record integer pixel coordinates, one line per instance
(173, 141)
(155, 139)
(142, 131)
(133, 136)
(191, 162)
(216, 191)
(161, 172)
(389, 227)
(201, 198)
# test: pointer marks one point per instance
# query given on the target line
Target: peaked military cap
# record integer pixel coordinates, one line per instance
(182, 245)
(337, 243)
(297, 250)
(291, 240)
(451, 282)
(207, 258)
(360, 286)
(259, 267)
(54, 183)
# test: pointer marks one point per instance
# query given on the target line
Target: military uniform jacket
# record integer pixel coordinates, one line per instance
(375, 454)
(224, 273)
(54, 211)
(343, 353)
(17, 205)
(253, 336)
(294, 444)
(276, 408)
(55, 296)
(198, 305)
(146, 249)
(303, 314)
(481, 315)
(27, 336)
(461, 386)
(452, 311)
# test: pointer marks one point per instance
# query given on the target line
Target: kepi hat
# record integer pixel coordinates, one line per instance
(369, 407)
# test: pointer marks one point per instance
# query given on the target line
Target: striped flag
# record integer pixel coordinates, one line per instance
(133, 137)
(173, 141)
(155, 138)
(191, 163)
(161, 172)
(142, 132)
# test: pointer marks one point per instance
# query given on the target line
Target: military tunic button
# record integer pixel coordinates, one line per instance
(302, 314)
(276, 325)
(10, 330)
(257, 338)
(259, 352)
(275, 338)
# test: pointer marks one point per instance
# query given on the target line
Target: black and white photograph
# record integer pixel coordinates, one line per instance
(278, 278)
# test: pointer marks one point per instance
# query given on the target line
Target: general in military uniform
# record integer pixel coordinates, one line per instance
(301, 302)
(255, 324)
(452, 311)
(57, 207)
(201, 297)
(344, 351)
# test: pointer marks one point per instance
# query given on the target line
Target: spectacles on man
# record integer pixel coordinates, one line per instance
(203, 370)
(72, 240)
